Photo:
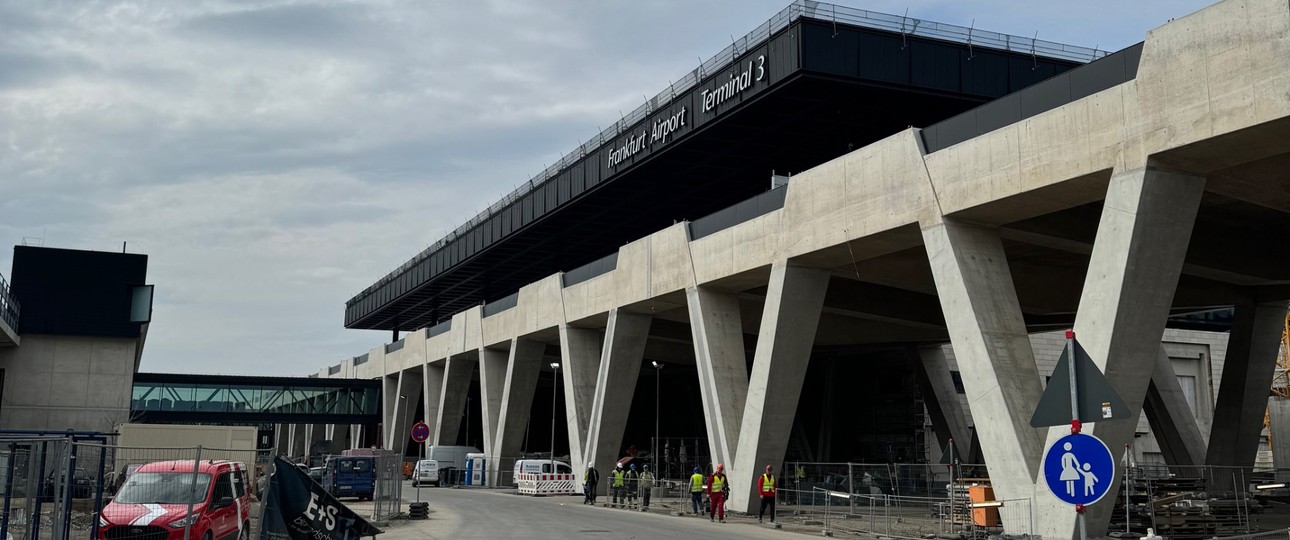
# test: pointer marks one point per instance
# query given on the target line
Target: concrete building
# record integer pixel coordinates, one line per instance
(71, 339)
(1108, 198)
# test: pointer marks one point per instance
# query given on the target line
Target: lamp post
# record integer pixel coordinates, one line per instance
(658, 377)
(555, 390)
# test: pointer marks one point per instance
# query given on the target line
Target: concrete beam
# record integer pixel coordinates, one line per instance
(580, 364)
(620, 366)
(1247, 377)
(942, 400)
(1137, 257)
(719, 355)
(992, 349)
(788, 325)
(457, 373)
(1172, 421)
(389, 406)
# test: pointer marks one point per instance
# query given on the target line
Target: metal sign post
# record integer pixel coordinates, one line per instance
(420, 432)
(1075, 424)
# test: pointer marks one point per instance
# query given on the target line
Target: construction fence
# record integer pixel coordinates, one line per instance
(64, 487)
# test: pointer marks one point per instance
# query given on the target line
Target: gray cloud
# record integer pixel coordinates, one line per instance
(274, 158)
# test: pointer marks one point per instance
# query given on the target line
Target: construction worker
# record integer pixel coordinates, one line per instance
(766, 488)
(590, 482)
(618, 481)
(718, 488)
(696, 490)
(647, 485)
(633, 484)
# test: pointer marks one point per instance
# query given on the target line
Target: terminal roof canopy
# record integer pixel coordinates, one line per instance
(810, 85)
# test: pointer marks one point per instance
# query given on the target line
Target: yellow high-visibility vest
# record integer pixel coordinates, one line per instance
(696, 483)
(618, 478)
(768, 483)
(718, 483)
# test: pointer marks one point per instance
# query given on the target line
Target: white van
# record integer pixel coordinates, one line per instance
(538, 466)
(425, 472)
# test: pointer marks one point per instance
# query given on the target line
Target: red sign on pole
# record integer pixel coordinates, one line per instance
(420, 432)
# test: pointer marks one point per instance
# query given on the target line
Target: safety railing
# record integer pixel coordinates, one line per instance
(9, 308)
(809, 9)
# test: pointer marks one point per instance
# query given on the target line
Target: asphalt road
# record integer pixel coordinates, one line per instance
(491, 514)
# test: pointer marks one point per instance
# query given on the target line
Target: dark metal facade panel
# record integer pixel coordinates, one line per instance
(598, 267)
(998, 113)
(743, 211)
(1068, 86)
(396, 346)
(440, 328)
(70, 292)
(502, 304)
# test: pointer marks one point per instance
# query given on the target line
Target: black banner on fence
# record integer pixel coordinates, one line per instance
(297, 508)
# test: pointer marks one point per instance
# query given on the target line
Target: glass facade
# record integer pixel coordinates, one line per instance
(302, 402)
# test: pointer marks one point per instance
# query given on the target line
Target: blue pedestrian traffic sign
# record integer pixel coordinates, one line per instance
(1078, 469)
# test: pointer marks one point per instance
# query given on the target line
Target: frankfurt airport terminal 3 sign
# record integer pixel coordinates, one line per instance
(740, 81)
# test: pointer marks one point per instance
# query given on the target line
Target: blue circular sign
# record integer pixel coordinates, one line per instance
(420, 432)
(1079, 469)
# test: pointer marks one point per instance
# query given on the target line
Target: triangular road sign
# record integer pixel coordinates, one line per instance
(1097, 399)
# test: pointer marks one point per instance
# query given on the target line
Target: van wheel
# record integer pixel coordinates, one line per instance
(246, 531)
(206, 536)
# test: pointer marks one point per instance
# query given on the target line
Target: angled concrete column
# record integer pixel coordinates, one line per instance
(457, 374)
(432, 386)
(492, 381)
(405, 401)
(580, 355)
(296, 449)
(389, 406)
(339, 437)
(992, 349)
(356, 436)
(524, 367)
(942, 400)
(1138, 253)
(793, 302)
(280, 439)
(1243, 392)
(717, 329)
(620, 366)
(1172, 421)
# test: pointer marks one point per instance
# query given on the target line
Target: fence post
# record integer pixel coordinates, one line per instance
(851, 488)
(98, 494)
(67, 484)
(34, 519)
(8, 490)
(192, 492)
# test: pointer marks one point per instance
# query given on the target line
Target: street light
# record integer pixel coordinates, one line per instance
(658, 373)
(555, 389)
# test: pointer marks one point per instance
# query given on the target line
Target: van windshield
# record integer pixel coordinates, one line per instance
(164, 488)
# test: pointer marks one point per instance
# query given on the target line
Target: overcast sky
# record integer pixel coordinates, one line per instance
(275, 158)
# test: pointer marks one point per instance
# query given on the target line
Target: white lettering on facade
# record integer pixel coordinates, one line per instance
(738, 82)
(667, 126)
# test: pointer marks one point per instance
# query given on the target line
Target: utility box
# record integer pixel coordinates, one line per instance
(983, 517)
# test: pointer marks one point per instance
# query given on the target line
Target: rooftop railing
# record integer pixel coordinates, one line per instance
(799, 9)
(9, 308)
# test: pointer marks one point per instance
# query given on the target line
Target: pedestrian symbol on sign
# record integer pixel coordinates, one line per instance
(1079, 469)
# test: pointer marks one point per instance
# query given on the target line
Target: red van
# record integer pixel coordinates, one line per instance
(153, 503)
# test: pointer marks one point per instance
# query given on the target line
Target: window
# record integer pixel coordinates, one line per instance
(223, 487)
(1188, 384)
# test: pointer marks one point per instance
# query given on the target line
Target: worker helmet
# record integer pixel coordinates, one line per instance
(633, 466)
(769, 468)
(645, 467)
(620, 465)
(696, 469)
(720, 467)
